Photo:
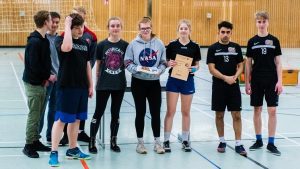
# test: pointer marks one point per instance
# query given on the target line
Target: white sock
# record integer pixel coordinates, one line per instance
(222, 139)
(167, 136)
(238, 142)
(185, 135)
(157, 140)
(141, 140)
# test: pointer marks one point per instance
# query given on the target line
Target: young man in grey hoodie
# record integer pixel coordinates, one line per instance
(145, 58)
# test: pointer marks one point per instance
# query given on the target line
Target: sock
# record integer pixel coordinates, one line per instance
(238, 142)
(222, 139)
(185, 135)
(271, 140)
(157, 140)
(258, 137)
(167, 136)
(141, 140)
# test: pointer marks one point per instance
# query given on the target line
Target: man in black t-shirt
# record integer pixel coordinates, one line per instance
(225, 63)
(74, 87)
(264, 78)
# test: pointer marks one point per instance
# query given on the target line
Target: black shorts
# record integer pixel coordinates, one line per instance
(225, 95)
(261, 88)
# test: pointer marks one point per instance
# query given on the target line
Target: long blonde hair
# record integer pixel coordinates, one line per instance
(187, 22)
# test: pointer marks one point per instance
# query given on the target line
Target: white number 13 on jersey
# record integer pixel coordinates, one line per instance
(264, 51)
(226, 59)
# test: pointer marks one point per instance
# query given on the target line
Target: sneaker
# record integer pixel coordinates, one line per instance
(113, 144)
(30, 151)
(82, 136)
(92, 146)
(53, 161)
(222, 147)
(273, 149)
(64, 141)
(257, 145)
(38, 146)
(167, 147)
(141, 149)
(158, 148)
(186, 146)
(76, 154)
(241, 150)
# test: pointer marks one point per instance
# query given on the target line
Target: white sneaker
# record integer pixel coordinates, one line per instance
(158, 148)
(141, 149)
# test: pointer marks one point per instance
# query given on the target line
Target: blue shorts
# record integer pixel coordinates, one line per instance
(71, 104)
(181, 86)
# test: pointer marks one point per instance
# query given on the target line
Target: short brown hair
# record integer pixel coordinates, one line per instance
(40, 17)
(262, 15)
(77, 20)
(80, 9)
(54, 15)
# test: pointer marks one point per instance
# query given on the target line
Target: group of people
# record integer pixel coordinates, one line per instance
(60, 68)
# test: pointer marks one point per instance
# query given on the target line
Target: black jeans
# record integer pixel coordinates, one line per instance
(150, 90)
(102, 97)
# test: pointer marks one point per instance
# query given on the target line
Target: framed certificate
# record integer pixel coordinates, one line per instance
(181, 70)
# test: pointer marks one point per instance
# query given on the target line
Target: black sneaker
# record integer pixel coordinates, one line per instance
(257, 145)
(64, 141)
(82, 136)
(30, 151)
(38, 146)
(186, 146)
(113, 145)
(273, 149)
(241, 150)
(92, 146)
(222, 147)
(166, 146)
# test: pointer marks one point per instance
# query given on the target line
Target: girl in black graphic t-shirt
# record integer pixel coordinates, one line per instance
(111, 81)
(264, 78)
(176, 87)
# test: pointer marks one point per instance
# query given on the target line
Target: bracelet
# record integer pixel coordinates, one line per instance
(193, 70)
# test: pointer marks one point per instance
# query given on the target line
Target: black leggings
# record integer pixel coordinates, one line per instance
(101, 101)
(150, 90)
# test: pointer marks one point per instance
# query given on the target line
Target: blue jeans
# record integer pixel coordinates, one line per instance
(51, 100)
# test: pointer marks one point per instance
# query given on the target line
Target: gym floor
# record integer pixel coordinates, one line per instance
(204, 139)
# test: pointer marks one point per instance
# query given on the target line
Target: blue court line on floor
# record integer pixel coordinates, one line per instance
(251, 159)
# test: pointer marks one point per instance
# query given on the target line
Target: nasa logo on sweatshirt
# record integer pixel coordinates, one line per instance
(148, 57)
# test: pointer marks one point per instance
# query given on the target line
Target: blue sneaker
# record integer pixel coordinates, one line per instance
(75, 153)
(53, 162)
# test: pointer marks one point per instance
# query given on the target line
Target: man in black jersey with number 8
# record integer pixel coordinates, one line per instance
(264, 78)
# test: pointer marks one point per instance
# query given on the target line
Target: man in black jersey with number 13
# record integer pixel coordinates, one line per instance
(264, 79)
(225, 63)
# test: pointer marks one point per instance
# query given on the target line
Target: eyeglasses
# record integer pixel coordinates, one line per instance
(115, 25)
(227, 32)
(145, 29)
(264, 21)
